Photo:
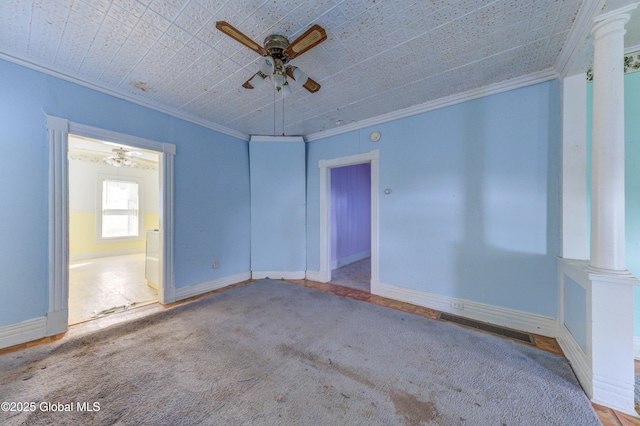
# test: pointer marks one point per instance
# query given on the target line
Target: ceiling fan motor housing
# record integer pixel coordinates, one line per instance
(275, 45)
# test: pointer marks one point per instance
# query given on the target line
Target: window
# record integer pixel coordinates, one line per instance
(120, 209)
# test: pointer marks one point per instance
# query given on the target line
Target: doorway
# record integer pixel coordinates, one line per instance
(113, 228)
(328, 253)
(57, 318)
(350, 202)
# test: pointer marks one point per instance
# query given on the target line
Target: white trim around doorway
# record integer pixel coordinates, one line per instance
(371, 157)
(58, 133)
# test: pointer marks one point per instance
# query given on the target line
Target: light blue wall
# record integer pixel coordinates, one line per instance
(575, 311)
(474, 208)
(632, 185)
(473, 213)
(632, 171)
(23, 216)
(277, 206)
(212, 194)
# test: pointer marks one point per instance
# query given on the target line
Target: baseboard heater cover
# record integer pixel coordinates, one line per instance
(489, 328)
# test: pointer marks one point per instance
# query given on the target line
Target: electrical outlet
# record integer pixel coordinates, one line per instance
(215, 264)
(457, 305)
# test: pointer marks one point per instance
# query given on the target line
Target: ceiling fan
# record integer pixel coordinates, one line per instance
(277, 52)
(121, 158)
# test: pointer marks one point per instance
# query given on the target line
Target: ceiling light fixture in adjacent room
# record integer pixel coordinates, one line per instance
(121, 158)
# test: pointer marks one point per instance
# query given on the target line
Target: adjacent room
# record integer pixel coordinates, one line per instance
(113, 228)
(350, 202)
(322, 212)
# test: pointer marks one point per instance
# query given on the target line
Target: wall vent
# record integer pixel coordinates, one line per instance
(489, 328)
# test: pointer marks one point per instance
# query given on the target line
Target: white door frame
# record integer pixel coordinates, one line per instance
(371, 157)
(58, 134)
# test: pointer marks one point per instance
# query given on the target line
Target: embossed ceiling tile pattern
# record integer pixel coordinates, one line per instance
(379, 56)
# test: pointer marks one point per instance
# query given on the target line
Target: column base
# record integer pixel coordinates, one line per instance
(609, 272)
(606, 367)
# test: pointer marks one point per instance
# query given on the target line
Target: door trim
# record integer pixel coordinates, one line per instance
(371, 157)
(58, 134)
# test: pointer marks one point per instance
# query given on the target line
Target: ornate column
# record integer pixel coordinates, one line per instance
(610, 299)
(607, 168)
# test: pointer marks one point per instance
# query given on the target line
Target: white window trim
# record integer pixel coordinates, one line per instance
(99, 238)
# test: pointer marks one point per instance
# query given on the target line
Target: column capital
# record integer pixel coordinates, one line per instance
(621, 15)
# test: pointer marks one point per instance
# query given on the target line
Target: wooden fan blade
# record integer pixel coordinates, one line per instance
(289, 71)
(235, 34)
(247, 84)
(311, 38)
(311, 85)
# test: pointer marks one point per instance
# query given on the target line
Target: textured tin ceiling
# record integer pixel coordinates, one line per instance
(380, 56)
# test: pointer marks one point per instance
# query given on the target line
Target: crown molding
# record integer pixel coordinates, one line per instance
(492, 89)
(258, 138)
(124, 96)
(578, 35)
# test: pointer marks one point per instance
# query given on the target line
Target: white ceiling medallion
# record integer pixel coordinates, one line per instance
(375, 136)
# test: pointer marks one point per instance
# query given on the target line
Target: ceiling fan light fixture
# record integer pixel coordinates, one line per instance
(279, 80)
(119, 162)
(261, 83)
(299, 76)
(120, 159)
(267, 65)
(256, 82)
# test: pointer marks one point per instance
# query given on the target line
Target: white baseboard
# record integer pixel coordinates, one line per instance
(577, 358)
(205, 287)
(511, 318)
(283, 275)
(312, 275)
(614, 394)
(347, 260)
(57, 322)
(375, 287)
(22, 332)
(636, 347)
(83, 256)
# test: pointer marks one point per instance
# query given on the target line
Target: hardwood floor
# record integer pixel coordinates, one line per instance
(607, 416)
(100, 286)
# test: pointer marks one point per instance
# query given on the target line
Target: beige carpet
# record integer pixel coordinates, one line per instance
(272, 353)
